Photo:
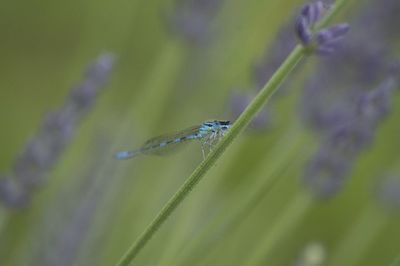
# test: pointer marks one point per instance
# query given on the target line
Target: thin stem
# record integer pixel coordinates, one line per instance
(244, 209)
(327, 19)
(240, 124)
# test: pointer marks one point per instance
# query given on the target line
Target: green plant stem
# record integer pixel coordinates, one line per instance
(240, 124)
(240, 214)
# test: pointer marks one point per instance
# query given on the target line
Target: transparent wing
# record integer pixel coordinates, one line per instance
(168, 143)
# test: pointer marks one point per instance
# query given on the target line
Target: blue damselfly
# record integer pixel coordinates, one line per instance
(208, 133)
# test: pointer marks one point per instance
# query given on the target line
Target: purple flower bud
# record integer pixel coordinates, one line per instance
(325, 50)
(303, 30)
(309, 15)
(332, 34)
(312, 12)
(324, 41)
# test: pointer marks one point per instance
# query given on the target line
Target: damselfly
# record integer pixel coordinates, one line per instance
(208, 133)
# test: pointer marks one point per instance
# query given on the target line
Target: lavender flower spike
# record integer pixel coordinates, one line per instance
(324, 41)
(45, 148)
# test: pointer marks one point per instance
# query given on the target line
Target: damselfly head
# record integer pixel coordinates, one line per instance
(216, 125)
(224, 125)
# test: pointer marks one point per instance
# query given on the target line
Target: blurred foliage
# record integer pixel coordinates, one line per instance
(251, 209)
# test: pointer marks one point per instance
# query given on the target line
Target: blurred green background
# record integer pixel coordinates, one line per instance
(251, 209)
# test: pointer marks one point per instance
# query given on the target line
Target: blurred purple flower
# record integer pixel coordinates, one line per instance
(350, 93)
(381, 18)
(342, 83)
(369, 109)
(12, 194)
(45, 148)
(79, 213)
(374, 105)
(349, 139)
(325, 173)
(349, 136)
(192, 19)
